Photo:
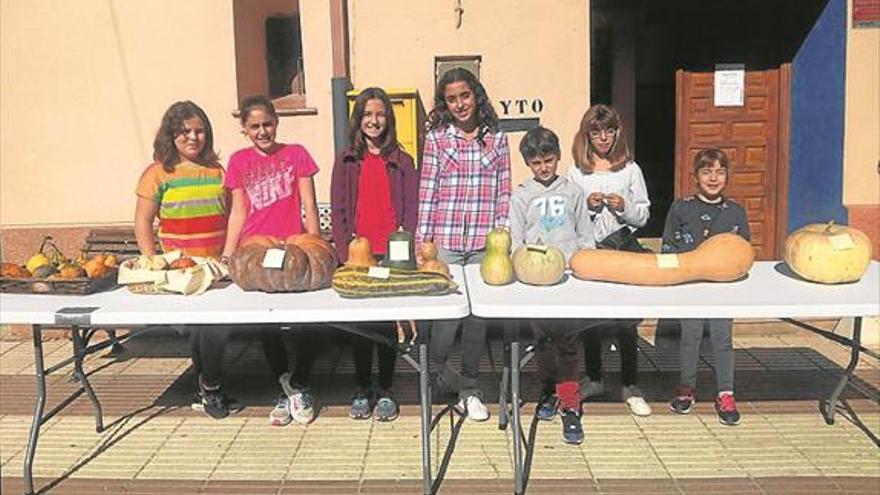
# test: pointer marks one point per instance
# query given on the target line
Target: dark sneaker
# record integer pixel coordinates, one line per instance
(684, 401)
(386, 409)
(360, 407)
(725, 406)
(548, 405)
(572, 431)
(232, 405)
(214, 403)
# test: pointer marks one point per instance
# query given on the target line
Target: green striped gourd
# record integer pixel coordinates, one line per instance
(354, 282)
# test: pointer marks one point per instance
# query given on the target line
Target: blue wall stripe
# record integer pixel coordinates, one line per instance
(817, 119)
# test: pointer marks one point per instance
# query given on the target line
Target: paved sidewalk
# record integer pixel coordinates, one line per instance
(156, 444)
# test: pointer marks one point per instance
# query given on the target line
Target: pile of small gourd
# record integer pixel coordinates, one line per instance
(50, 263)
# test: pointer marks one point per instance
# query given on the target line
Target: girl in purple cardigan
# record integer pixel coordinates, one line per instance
(373, 192)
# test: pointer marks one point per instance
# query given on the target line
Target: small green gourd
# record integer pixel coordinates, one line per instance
(401, 251)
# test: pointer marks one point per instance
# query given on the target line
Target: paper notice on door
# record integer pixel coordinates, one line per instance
(730, 85)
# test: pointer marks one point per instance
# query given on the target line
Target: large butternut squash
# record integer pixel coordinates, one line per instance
(720, 258)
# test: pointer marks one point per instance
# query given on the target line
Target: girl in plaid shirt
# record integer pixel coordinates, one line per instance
(464, 193)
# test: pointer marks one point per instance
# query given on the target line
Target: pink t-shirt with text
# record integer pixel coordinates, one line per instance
(270, 186)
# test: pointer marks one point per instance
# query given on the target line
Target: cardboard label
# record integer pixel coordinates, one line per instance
(380, 272)
(274, 258)
(841, 242)
(667, 261)
(398, 251)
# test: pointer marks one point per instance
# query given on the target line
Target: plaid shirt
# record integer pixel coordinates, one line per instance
(464, 190)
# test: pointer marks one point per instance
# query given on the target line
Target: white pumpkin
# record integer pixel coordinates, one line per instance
(828, 253)
(538, 265)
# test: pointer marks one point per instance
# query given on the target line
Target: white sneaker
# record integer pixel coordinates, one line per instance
(635, 400)
(301, 402)
(474, 407)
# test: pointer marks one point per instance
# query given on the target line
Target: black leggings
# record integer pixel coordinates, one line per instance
(276, 354)
(362, 352)
(206, 346)
(626, 333)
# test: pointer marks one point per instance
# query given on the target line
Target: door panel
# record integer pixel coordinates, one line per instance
(749, 135)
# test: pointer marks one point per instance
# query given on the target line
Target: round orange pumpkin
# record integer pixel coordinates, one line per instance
(308, 264)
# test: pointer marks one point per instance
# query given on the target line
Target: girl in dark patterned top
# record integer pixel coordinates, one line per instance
(692, 220)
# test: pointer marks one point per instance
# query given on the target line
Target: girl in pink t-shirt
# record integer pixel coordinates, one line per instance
(270, 184)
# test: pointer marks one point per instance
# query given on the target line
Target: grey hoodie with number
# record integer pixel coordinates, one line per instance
(556, 215)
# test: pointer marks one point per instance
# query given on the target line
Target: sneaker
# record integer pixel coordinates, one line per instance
(232, 405)
(725, 406)
(302, 402)
(360, 407)
(386, 408)
(213, 402)
(589, 388)
(684, 401)
(572, 431)
(474, 407)
(635, 400)
(548, 405)
(280, 414)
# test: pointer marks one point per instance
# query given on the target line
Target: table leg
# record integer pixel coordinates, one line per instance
(517, 426)
(827, 407)
(80, 348)
(504, 386)
(425, 392)
(38, 411)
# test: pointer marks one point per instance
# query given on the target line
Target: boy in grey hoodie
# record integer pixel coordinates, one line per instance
(549, 209)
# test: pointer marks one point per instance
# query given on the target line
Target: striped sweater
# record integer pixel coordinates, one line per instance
(192, 207)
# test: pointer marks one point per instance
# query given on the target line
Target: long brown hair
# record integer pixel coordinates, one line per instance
(599, 118)
(164, 150)
(356, 139)
(440, 116)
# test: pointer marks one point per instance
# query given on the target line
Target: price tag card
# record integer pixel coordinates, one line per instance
(380, 272)
(841, 242)
(274, 258)
(667, 261)
(398, 251)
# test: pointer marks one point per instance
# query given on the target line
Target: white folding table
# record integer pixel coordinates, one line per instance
(226, 306)
(769, 291)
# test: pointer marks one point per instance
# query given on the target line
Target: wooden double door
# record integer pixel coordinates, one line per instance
(754, 136)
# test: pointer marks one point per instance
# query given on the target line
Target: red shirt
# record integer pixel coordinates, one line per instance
(374, 217)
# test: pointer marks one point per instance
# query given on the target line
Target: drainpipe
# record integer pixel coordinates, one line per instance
(340, 84)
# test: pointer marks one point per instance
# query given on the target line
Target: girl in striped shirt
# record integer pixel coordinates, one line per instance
(184, 189)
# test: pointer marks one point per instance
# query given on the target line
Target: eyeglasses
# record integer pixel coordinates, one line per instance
(610, 132)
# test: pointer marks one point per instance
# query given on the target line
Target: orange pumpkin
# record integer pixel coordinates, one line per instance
(70, 270)
(11, 270)
(308, 264)
(95, 267)
(360, 253)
